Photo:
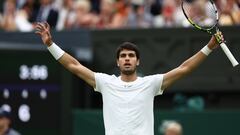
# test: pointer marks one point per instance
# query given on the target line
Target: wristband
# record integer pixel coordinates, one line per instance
(56, 51)
(206, 50)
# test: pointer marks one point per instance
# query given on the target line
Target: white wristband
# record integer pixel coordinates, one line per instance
(56, 51)
(206, 50)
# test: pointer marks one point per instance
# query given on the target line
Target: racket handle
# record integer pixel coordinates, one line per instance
(229, 54)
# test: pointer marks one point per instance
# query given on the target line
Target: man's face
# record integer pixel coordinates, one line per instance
(127, 62)
(4, 124)
(173, 131)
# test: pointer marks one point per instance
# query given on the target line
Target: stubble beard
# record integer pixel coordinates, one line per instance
(128, 72)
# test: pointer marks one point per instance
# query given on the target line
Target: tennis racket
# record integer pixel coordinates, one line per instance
(203, 15)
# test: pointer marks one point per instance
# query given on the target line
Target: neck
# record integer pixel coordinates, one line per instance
(128, 78)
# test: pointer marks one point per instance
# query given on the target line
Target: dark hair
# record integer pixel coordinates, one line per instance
(4, 113)
(128, 46)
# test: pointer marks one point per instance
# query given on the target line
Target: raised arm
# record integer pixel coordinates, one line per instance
(70, 63)
(190, 64)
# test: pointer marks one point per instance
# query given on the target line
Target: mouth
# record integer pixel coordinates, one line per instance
(127, 64)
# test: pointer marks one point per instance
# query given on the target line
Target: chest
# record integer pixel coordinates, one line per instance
(128, 95)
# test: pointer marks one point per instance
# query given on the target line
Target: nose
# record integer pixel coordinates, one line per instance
(127, 58)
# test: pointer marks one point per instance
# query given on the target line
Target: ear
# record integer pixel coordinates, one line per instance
(138, 62)
(117, 63)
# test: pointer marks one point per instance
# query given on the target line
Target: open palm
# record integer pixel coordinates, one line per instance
(43, 29)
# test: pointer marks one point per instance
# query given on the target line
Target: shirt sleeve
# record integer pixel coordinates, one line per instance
(100, 79)
(157, 82)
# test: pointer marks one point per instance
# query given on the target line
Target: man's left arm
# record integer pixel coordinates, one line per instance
(189, 65)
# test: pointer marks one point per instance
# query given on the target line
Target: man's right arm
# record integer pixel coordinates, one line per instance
(70, 63)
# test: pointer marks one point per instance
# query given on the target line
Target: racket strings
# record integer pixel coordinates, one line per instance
(201, 12)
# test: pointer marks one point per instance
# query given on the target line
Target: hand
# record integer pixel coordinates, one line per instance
(216, 40)
(43, 29)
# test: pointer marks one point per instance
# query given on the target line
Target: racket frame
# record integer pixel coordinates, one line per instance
(212, 30)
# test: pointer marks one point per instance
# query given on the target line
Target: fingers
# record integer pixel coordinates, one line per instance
(219, 37)
(39, 33)
(42, 28)
(39, 28)
(46, 25)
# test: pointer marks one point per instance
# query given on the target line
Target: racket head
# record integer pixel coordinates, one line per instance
(201, 14)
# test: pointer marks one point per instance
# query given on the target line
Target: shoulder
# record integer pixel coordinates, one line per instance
(102, 79)
(153, 77)
(155, 82)
(104, 76)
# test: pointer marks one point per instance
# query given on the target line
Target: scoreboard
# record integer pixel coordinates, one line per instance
(30, 88)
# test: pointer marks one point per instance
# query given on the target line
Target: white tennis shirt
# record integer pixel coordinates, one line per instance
(128, 106)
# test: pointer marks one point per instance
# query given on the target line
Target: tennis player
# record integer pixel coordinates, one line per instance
(127, 99)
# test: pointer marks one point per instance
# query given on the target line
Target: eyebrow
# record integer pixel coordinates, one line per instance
(128, 53)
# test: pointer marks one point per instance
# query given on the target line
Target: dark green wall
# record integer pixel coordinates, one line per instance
(194, 123)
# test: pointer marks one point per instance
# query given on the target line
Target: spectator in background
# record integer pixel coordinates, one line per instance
(229, 12)
(173, 128)
(82, 17)
(95, 6)
(5, 123)
(8, 17)
(119, 19)
(139, 18)
(106, 14)
(23, 15)
(179, 18)
(64, 14)
(166, 18)
(45, 12)
(156, 7)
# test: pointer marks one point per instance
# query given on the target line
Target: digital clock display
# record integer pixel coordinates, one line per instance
(35, 72)
(30, 85)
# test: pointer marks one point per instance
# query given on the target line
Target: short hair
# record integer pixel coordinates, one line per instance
(128, 46)
(171, 125)
(4, 113)
(175, 126)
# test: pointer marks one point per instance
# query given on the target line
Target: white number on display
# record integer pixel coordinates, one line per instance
(36, 72)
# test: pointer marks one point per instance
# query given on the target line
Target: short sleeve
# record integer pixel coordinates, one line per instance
(157, 82)
(100, 79)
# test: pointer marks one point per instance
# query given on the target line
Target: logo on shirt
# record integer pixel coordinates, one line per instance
(127, 86)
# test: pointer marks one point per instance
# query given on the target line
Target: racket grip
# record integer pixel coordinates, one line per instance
(229, 54)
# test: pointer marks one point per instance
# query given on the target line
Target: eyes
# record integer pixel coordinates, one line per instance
(130, 55)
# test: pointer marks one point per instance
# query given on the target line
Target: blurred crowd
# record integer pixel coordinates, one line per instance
(22, 15)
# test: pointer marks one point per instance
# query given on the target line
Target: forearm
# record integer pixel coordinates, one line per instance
(68, 62)
(185, 68)
(192, 63)
(62, 57)
(72, 64)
